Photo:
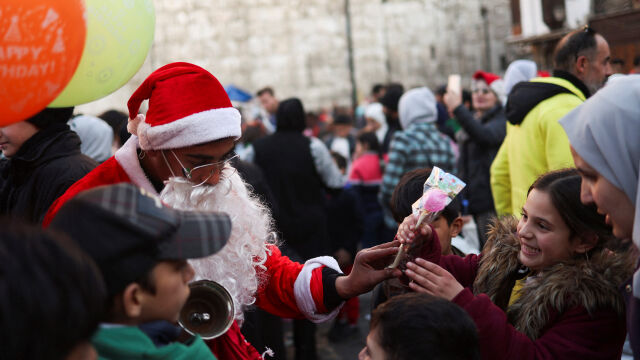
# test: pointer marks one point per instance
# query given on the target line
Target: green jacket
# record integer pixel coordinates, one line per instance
(129, 342)
(536, 145)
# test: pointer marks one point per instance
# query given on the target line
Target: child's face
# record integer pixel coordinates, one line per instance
(446, 231)
(544, 236)
(171, 280)
(13, 136)
(372, 350)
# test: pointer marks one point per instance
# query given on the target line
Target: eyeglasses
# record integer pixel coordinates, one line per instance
(484, 91)
(202, 173)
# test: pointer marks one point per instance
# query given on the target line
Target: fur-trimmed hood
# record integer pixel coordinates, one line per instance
(588, 282)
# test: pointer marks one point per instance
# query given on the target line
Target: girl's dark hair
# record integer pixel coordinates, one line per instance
(563, 186)
(53, 295)
(415, 325)
(408, 190)
(371, 140)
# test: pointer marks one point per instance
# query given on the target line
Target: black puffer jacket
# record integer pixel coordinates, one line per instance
(477, 152)
(42, 170)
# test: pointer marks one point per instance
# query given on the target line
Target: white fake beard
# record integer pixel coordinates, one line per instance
(234, 267)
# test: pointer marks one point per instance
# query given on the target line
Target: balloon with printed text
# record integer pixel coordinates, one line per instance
(41, 43)
(119, 36)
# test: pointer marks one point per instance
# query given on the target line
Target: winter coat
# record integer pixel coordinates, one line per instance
(477, 153)
(289, 165)
(571, 310)
(420, 145)
(42, 170)
(535, 142)
(633, 316)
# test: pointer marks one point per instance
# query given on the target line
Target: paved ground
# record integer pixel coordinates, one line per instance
(346, 349)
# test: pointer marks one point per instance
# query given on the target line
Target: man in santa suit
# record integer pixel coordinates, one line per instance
(181, 151)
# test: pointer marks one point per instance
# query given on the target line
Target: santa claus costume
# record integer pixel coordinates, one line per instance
(188, 106)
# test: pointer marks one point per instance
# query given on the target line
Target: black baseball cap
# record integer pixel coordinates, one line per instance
(127, 231)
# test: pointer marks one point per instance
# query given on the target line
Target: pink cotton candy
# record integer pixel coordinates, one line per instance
(434, 200)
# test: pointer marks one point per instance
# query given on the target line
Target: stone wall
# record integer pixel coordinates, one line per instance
(299, 47)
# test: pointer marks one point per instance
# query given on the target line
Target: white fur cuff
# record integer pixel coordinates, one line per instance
(302, 289)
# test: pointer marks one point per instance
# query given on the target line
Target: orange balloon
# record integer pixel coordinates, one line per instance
(41, 42)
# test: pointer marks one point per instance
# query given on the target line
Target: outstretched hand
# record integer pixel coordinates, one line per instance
(430, 278)
(369, 269)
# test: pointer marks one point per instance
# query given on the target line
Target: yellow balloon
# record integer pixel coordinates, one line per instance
(119, 35)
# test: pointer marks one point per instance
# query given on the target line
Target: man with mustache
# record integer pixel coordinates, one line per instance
(181, 151)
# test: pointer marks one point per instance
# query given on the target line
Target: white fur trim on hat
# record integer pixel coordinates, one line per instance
(127, 158)
(202, 127)
(498, 88)
(302, 289)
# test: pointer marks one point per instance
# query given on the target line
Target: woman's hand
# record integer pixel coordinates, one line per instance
(430, 278)
(407, 230)
(452, 100)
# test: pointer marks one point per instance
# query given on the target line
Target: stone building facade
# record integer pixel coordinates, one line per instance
(300, 48)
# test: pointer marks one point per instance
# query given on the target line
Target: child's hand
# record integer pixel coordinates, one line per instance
(430, 278)
(407, 230)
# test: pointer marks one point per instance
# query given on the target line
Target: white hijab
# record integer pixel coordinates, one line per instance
(518, 71)
(605, 132)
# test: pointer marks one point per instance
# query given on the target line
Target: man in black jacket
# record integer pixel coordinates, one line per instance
(42, 159)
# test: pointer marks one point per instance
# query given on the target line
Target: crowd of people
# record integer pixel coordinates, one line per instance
(105, 221)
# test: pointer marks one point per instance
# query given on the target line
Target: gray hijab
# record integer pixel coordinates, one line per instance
(605, 132)
(96, 136)
(417, 106)
(519, 70)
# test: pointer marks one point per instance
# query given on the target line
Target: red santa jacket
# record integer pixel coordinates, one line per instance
(292, 290)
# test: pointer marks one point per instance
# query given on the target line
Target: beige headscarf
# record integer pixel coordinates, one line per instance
(605, 132)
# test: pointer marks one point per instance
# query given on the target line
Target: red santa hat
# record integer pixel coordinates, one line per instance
(495, 83)
(187, 106)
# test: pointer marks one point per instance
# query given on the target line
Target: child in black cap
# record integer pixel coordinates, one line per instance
(141, 247)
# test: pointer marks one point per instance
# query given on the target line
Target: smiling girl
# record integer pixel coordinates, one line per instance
(545, 287)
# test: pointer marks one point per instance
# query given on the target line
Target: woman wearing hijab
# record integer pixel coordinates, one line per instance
(604, 133)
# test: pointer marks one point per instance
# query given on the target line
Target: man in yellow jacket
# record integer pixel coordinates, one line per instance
(535, 142)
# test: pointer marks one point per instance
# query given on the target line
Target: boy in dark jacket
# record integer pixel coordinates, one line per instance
(43, 159)
(141, 247)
